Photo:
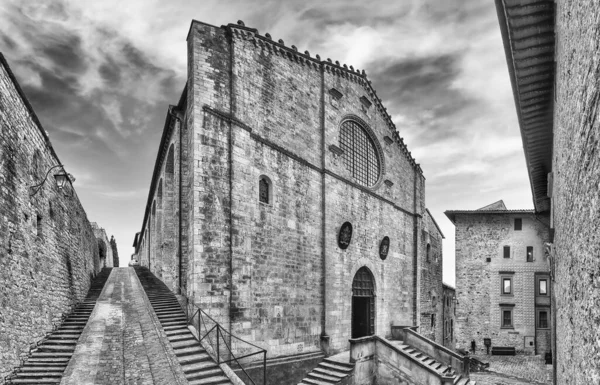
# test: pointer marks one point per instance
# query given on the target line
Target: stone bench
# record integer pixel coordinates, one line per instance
(503, 351)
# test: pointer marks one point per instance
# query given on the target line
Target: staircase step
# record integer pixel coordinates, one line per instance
(323, 377)
(335, 366)
(217, 380)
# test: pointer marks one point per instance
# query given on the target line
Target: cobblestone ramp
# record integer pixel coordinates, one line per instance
(48, 361)
(197, 364)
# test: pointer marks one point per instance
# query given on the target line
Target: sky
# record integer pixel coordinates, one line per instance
(100, 76)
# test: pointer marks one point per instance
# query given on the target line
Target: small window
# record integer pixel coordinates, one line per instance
(529, 253)
(507, 318)
(264, 190)
(451, 329)
(506, 285)
(428, 253)
(543, 287)
(506, 251)
(542, 319)
(39, 226)
(518, 223)
(433, 320)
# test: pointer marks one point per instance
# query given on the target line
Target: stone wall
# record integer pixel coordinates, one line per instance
(273, 273)
(480, 237)
(432, 300)
(576, 170)
(48, 251)
(449, 310)
(105, 250)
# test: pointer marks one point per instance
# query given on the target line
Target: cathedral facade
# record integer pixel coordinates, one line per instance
(283, 200)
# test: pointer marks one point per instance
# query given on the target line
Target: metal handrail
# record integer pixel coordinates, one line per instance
(189, 308)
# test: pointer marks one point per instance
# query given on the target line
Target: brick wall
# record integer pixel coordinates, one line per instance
(478, 282)
(48, 251)
(576, 179)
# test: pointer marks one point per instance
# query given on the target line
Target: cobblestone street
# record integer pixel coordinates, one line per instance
(122, 342)
(513, 370)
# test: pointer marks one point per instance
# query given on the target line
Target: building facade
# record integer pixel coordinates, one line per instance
(283, 200)
(105, 248)
(560, 129)
(432, 307)
(48, 251)
(449, 315)
(502, 279)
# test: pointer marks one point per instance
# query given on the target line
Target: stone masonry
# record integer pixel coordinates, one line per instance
(254, 109)
(48, 250)
(489, 249)
(105, 250)
(576, 205)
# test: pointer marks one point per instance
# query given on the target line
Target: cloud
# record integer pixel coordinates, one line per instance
(100, 75)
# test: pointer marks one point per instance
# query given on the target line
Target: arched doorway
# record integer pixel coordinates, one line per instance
(363, 303)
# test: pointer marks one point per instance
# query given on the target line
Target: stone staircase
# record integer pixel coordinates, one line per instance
(198, 366)
(445, 370)
(328, 372)
(49, 359)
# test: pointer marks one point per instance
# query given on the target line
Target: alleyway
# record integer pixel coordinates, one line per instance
(122, 342)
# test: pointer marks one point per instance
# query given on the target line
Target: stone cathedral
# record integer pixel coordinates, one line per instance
(284, 201)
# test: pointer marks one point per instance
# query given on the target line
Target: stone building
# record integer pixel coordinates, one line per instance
(283, 200)
(432, 310)
(105, 249)
(552, 55)
(502, 279)
(48, 251)
(449, 313)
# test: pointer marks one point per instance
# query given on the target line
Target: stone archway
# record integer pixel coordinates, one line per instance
(363, 303)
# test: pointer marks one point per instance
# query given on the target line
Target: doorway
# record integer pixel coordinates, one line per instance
(363, 304)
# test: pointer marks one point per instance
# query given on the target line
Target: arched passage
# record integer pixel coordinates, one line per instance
(363, 303)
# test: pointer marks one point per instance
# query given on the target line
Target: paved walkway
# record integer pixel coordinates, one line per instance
(123, 342)
(514, 370)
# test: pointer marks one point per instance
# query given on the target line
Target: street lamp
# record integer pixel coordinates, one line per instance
(61, 179)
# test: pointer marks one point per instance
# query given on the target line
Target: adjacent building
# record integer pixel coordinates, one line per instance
(449, 315)
(552, 56)
(502, 279)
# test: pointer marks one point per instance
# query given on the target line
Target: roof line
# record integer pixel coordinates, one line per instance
(435, 223)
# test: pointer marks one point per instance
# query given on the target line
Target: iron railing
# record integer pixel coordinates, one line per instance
(225, 348)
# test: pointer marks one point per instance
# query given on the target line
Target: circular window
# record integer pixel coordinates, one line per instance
(360, 154)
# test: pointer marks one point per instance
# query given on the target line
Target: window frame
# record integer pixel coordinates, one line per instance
(505, 252)
(348, 136)
(269, 183)
(538, 318)
(502, 319)
(538, 291)
(527, 254)
(520, 222)
(506, 278)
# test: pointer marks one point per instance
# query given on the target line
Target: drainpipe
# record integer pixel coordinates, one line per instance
(416, 252)
(324, 336)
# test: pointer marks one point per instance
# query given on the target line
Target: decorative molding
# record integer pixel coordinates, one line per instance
(506, 272)
(337, 95)
(506, 304)
(336, 150)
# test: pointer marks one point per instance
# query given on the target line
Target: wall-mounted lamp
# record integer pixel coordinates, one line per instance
(61, 179)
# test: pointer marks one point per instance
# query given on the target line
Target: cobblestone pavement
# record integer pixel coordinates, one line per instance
(122, 342)
(514, 370)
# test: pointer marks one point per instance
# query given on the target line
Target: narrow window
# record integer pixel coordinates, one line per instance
(39, 226)
(428, 252)
(507, 318)
(506, 251)
(543, 287)
(518, 224)
(451, 329)
(542, 319)
(263, 191)
(433, 320)
(506, 286)
(529, 253)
